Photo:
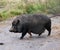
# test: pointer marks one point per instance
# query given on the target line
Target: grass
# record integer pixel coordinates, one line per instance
(12, 8)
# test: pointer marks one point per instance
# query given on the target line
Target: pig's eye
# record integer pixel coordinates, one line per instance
(13, 24)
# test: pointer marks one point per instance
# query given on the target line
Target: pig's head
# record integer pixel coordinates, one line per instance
(15, 26)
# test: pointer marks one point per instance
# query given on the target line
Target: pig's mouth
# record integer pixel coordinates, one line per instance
(13, 31)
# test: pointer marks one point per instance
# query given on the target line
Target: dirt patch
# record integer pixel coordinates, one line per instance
(57, 27)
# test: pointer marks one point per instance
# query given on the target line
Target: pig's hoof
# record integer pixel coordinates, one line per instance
(48, 35)
(30, 36)
(21, 38)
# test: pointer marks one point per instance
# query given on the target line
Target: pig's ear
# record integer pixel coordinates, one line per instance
(18, 21)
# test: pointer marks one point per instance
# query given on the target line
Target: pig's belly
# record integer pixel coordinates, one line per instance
(38, 29)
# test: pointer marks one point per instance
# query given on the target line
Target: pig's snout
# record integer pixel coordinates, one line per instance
(12, 29)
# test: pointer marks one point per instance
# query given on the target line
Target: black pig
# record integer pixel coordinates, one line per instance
(27, 23)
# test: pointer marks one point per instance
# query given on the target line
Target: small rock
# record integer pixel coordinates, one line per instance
(1, 43)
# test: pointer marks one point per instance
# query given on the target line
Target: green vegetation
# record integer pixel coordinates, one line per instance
(14, 7)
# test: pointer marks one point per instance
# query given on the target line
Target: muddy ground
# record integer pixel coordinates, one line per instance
(12, 42)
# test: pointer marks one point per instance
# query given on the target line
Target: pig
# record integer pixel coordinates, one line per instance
(31, 23)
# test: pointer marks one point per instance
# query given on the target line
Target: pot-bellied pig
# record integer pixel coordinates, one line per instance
(27, 23)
